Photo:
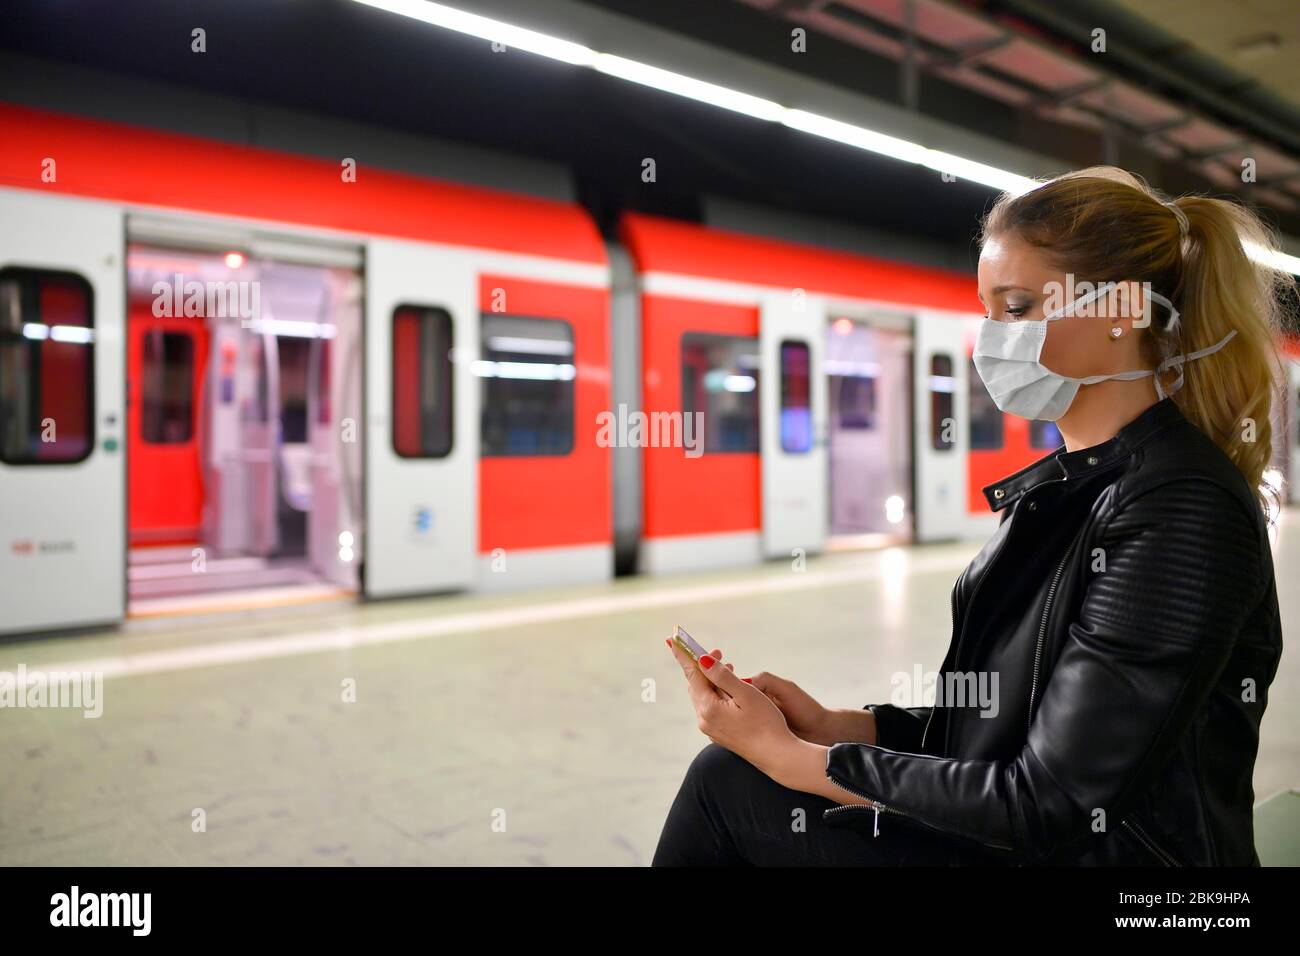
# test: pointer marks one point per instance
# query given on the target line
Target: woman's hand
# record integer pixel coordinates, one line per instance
(806, 718)
(809, 720)
(736, 715)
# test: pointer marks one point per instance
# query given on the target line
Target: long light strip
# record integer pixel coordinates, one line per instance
(852, 135)
(702, 91)
(1274, 258)
(689, 87)
(486, 28)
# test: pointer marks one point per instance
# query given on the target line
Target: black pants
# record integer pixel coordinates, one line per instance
(728, 813)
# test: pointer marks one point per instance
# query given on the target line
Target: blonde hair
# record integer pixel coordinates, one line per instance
(1106, 225)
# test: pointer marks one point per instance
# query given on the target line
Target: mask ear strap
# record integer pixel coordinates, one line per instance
(1181, 360)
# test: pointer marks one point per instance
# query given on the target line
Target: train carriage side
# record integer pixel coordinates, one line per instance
(423, 367)
(836, 397)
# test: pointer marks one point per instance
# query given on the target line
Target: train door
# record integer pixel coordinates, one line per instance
(422, 434)
(166, 358)
(941, 420)
(62, 489)
(869, 381)
(243, 424)
(792, 424)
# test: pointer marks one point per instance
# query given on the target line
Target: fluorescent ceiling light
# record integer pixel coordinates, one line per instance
(1274, 258)
(489, 29)
(575, 53)
(975, 172)
(670, 82)
(907, 151)
(857, 136)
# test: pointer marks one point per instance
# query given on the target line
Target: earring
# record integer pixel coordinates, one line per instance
(1116, 332)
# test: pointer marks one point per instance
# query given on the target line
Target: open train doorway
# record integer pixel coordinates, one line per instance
(869, 377)
(243, 411)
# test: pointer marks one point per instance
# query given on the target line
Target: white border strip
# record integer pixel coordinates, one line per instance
(572, 272)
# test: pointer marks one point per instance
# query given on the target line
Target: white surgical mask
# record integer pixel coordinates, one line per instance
(1007, 356)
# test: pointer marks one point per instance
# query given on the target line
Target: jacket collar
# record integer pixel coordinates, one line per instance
(1062, 464)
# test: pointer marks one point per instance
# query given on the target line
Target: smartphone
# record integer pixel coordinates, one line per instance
(688, 644)
(692, 649)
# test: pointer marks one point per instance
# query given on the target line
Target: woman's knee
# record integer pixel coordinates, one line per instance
(714, 765)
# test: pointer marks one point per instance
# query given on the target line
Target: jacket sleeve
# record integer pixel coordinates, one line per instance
(1183, 568)
(899, 728)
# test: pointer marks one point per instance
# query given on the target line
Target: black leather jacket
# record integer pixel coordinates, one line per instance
(1127, 605)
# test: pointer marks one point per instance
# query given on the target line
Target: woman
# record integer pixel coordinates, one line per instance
(1126, 602)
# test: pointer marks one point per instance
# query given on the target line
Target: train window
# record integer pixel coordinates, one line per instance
(422, 382)
(942, 386)
(1044, 435)
(796, 410)
(167, 388)
(47, 367)
(720, 382)
(985, 416)
(526, 373)
(855, 401)
(295, 354)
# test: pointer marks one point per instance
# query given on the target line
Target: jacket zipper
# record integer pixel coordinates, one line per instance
(876, 805)
(1160, 854)
(1042, 627)
(880, 808)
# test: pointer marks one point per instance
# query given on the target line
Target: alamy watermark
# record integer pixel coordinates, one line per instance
(954, 689)
(190, 298)
(74, 690)
(634, 429)
(75, 908)
(1113, 300)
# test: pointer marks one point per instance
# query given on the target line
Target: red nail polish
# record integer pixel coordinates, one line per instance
(706, 662)
(668, 641)
(748, 680)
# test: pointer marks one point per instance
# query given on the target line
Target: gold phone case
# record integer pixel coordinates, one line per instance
(688, 644)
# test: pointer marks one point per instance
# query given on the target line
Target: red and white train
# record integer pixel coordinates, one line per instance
(226, 369)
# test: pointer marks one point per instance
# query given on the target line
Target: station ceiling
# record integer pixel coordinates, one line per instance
(338, 58)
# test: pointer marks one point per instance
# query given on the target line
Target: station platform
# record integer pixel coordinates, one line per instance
(464, 706)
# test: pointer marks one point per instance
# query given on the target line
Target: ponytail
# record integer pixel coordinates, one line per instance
(1229, 395)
